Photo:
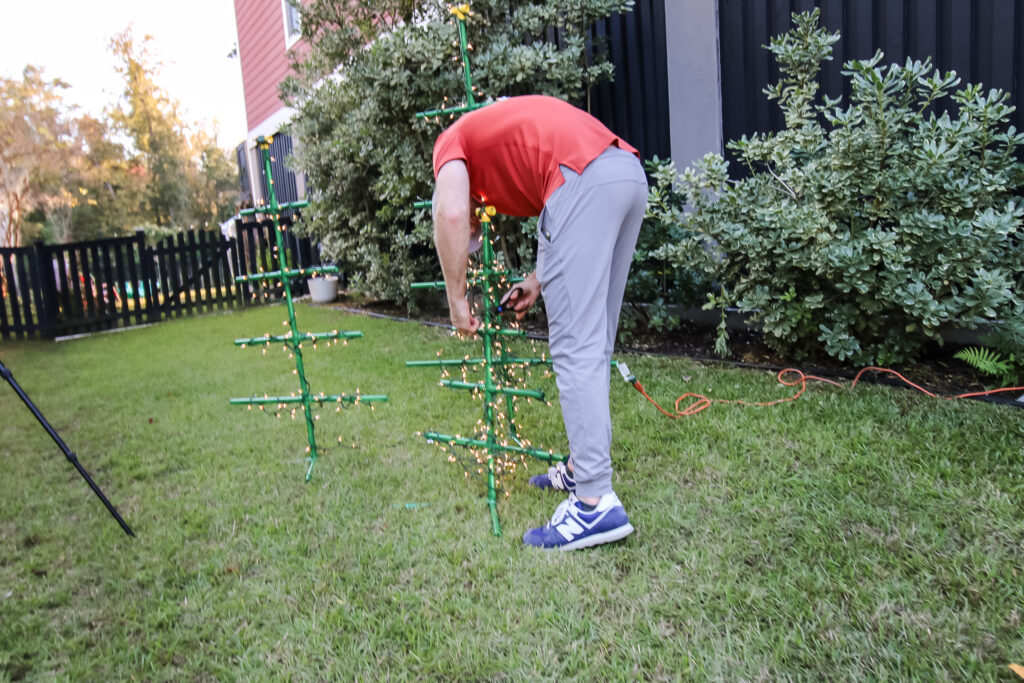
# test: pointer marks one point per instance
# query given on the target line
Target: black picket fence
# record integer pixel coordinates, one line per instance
(64, 289)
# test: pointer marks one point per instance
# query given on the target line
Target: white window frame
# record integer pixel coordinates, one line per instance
(292, 30)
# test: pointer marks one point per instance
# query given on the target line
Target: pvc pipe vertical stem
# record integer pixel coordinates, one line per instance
(295, 344)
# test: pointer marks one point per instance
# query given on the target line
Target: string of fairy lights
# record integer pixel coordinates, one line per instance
(294, 342)
(500, 378)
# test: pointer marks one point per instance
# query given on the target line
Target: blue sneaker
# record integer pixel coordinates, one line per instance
(571, 528)
(557, 477)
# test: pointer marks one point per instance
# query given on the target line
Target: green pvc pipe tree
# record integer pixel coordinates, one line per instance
(294, 339)
(497, 382)
(498, 387)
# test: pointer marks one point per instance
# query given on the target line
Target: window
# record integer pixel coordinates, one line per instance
(292, 27)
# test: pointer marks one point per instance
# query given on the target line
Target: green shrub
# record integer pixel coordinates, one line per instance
(665, 273)
(863, 229)
(366, 155)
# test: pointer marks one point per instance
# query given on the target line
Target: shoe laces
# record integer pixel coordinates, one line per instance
(561, 511)
(559, 477)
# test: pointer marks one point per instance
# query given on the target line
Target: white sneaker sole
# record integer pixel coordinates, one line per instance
(609, 536)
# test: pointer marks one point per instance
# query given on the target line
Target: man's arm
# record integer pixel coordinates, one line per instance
(451, 207)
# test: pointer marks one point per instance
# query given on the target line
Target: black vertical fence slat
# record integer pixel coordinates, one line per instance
(87, 287)
(25, 290)
(123, 310)
(64, 287)
(268, 257)
(107, 301)
(214, 247)
(113, 289)
(242, 262)
(160, 301)
(76, 307)
(227, 272)
(47, 273)
(63, 283)
(198, 259)
(252, 249)
(35, 291)
(96, 285)
(88, 293)
(209, 261)
(252, 252)
(11, 289)
(194, 284)
(169, 276)
(205, 266)
(239, 263)
(7, 296)
(144, 278)
(133, 300)
(177, 271)
(195, 260)
(212, 268)
(99, 295)
(252, 256)
(129, 304)
(186, 257)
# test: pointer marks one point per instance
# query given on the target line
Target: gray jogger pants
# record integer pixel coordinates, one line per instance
(587, 233)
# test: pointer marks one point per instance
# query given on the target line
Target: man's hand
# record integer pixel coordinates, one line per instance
(522, 296)
(462, 319)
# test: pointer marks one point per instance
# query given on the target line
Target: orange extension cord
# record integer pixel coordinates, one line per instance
(700, 402)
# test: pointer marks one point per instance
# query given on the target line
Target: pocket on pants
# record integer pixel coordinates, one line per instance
(543, 243)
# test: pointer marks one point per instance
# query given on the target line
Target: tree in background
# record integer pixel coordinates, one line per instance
(371, 67)
(35, 137)
(149, 117)
(188, 181)
(106, 188)
(212, 177)
(67, 178)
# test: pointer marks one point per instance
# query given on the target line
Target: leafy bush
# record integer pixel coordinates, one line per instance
(665, 273)
(366, 155)
(863, 229)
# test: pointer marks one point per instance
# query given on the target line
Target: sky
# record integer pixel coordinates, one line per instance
(191, 40)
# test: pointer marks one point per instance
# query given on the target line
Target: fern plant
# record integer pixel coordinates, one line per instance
(992, 363)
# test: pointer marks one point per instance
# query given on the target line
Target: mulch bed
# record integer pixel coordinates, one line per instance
(937, 371)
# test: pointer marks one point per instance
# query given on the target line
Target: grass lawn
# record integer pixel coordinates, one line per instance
(866, 534)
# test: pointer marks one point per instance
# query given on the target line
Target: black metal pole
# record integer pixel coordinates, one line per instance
(68, 453)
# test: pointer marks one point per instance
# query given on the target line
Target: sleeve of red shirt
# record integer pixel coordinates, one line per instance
(448, 147)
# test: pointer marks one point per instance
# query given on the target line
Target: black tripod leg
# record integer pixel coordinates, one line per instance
(68, 453)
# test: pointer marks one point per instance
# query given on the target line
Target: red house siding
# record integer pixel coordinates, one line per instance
(264, 57)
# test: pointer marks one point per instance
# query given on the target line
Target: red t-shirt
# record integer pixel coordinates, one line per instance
(513, 149)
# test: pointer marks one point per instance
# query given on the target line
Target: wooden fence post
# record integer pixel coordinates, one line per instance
(146, 265)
